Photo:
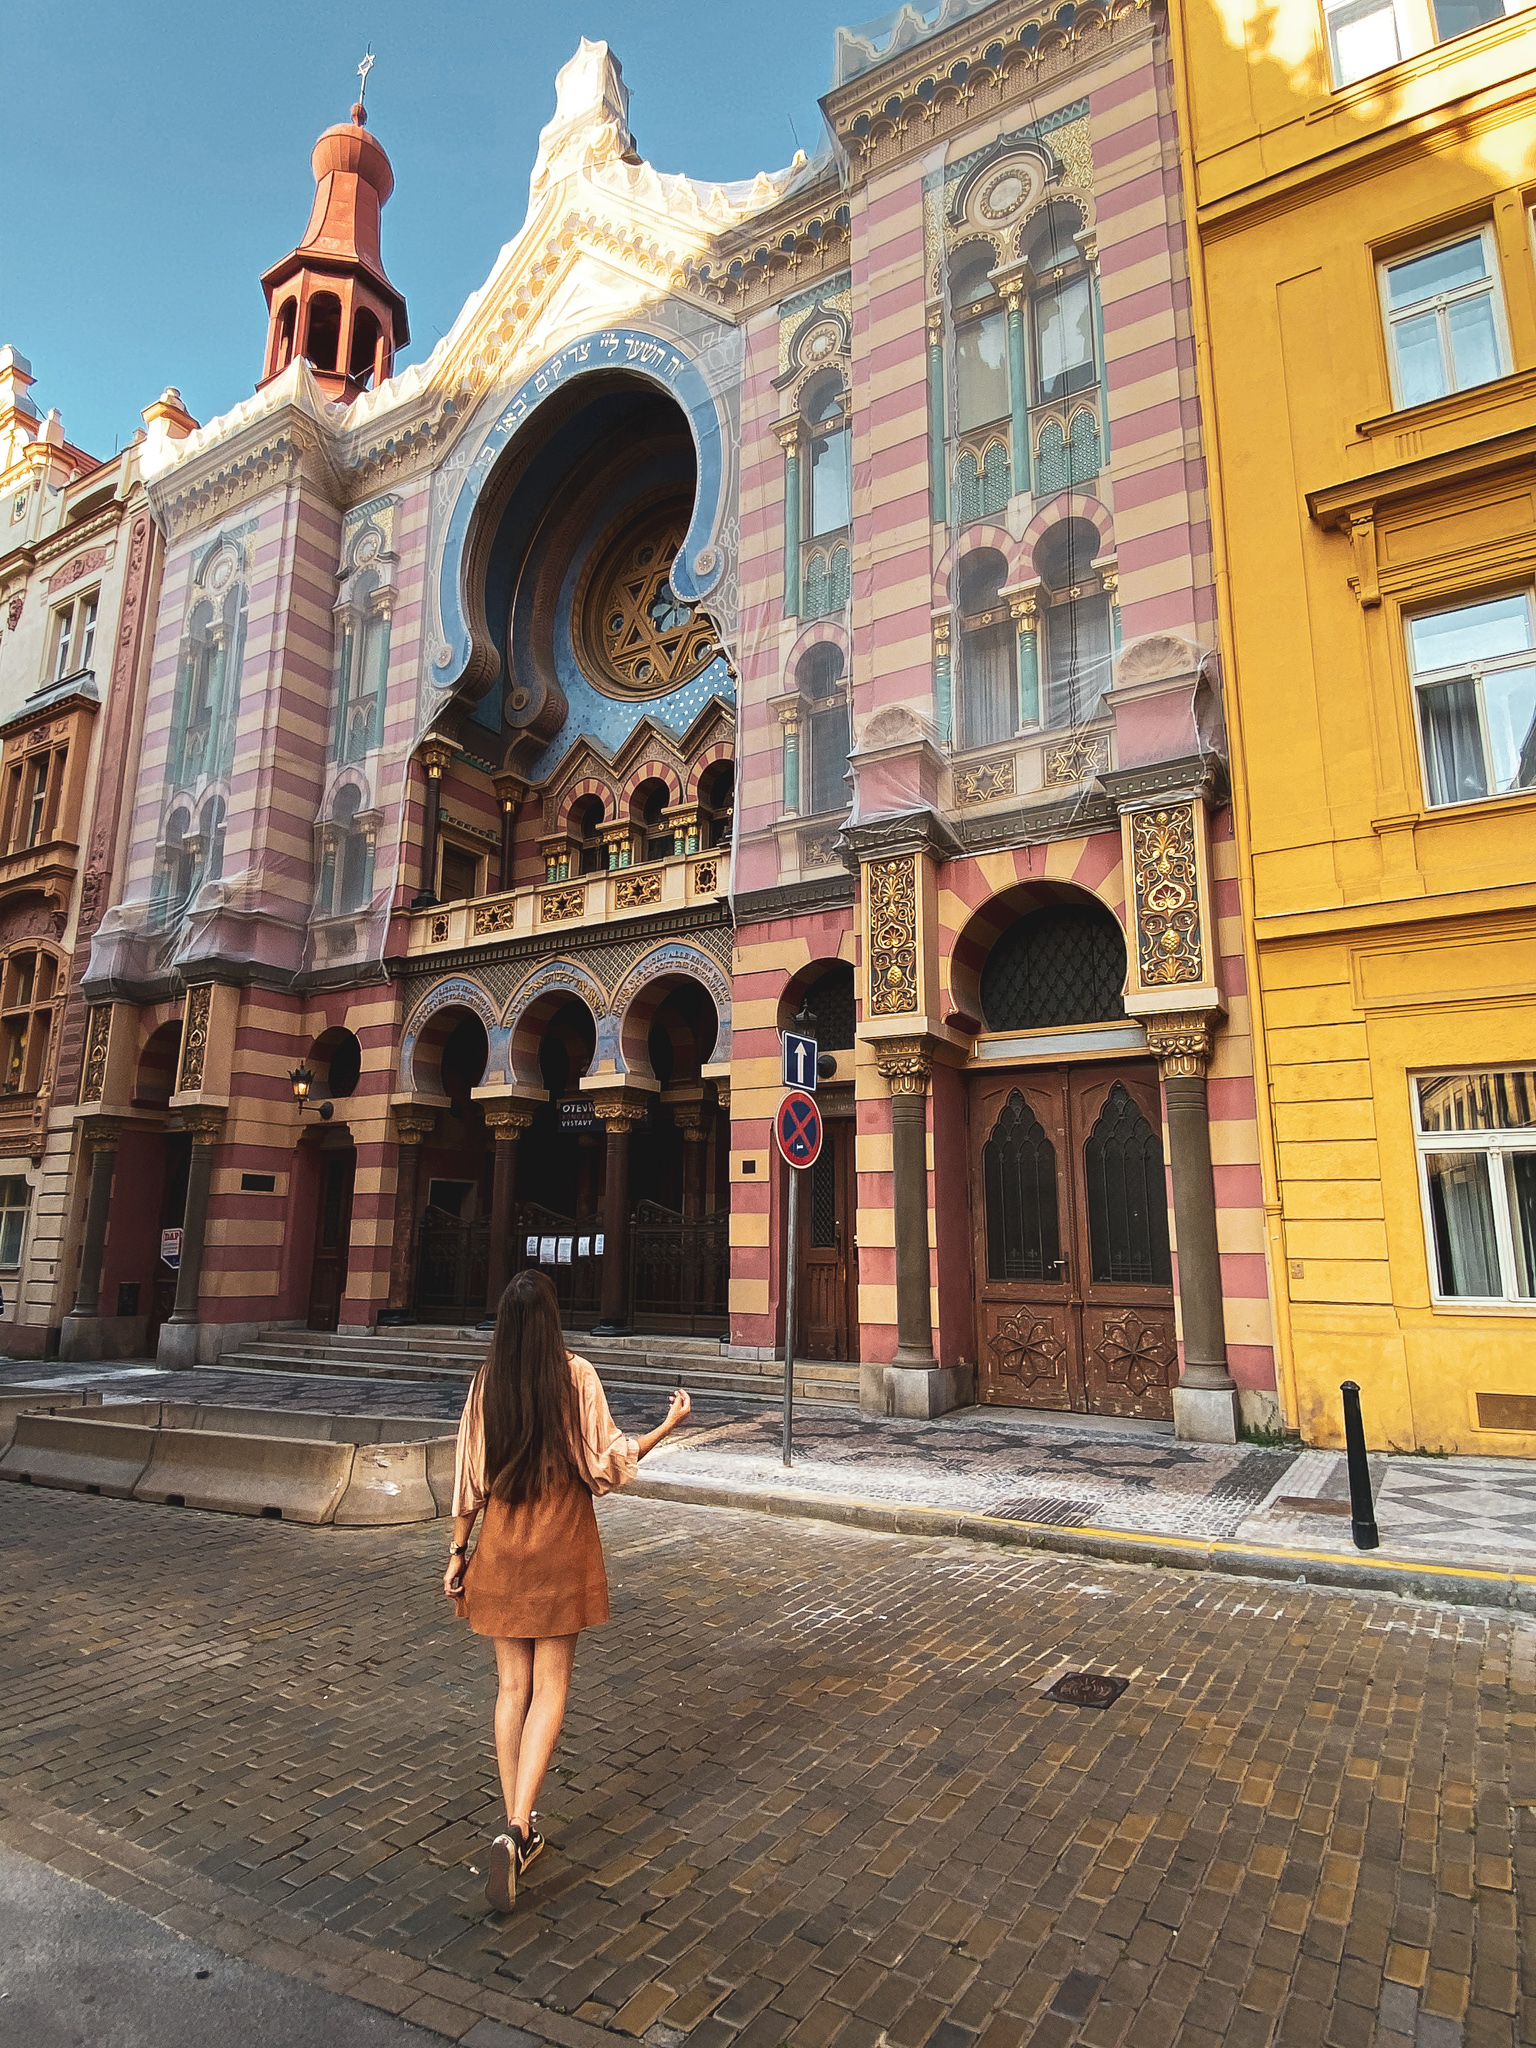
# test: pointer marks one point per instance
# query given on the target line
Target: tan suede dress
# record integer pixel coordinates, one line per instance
(538, 1567)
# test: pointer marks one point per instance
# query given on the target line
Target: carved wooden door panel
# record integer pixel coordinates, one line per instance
(328, 1276)
(1120, 1250)
(826, 1251)
(1028, 1316)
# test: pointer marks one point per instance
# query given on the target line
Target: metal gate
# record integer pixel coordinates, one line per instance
(452, 1270)
(578, 1281)
(679, 1267)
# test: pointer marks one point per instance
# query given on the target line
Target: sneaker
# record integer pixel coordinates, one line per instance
(501, 1872)
(528, 1846)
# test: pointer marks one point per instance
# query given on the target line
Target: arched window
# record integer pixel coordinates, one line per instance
(287, 314)
(717, 803)
(365, 342)
(988, 679)
(30, 983)
(1062, 964)
(1061, 306)
(830, 1000)
(212, 831)
(1076, 622)
(828, 457)
(208, 682)
(177, 868)
(981, 341)
(1127, 1197)
(1018, 1169)
(647, 809)
(585, 828)
(322, 332)
(824, 694)
(362, 680)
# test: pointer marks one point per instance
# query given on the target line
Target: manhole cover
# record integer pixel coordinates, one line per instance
(1060, 1511)
(1087, 1689)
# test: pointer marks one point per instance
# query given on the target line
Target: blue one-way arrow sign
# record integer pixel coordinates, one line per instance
(799, 1062)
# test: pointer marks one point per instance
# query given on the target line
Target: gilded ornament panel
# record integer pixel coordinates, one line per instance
(892, 886)
(95, 1080)
(194, 1042)
(1166, 881)
(555, 905)
(631, 892)
(494, 917)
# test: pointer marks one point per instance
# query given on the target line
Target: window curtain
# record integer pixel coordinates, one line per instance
(989, 688)
(1461, 1204)
(1453, 745)
(828, 733)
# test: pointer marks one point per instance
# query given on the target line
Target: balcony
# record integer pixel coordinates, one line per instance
(551, 908)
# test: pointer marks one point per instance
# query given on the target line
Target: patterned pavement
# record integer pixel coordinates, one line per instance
(1447, 1512)
(811, 1789)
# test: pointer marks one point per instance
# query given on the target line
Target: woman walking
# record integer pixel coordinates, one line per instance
(536, 1442)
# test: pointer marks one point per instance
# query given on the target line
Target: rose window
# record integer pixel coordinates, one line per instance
(639, 634)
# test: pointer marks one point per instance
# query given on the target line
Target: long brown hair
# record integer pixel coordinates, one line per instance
(528, 1395)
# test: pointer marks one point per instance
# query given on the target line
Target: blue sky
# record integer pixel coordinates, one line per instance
(156, 159)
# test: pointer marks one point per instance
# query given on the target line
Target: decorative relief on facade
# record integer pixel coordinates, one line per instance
(556, 905)
(439, 933)
(633, 891)
(1167, 891)
(494, 917)
(980, 781)
(1181, 1044)
(892, 888)
(1076, 761)
(818, 850)
(83, 565)
(706, 878)
(100, 1031)
(905, 1064)
(194, 1038)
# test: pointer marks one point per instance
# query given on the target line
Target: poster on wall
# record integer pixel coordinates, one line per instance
(563, 1255)
(170, 1248)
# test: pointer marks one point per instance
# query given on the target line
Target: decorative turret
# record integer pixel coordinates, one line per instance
(329, 300)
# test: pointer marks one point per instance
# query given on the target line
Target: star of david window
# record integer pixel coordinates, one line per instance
(640, 637)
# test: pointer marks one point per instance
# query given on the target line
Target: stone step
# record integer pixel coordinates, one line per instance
(734, 1380)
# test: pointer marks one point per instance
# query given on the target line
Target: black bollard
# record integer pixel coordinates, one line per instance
(1362, 1508)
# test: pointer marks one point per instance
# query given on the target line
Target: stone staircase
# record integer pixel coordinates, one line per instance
(429, 1351)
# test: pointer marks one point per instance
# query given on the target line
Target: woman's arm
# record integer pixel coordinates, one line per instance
(679, 1409)
(453, 1578)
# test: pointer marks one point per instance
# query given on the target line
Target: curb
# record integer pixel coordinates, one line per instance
(1466, 1586)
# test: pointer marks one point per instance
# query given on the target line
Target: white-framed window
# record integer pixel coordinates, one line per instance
(981, 341)
(1363, 36)
(1445, 325)
(15, 1195)
(73, 640)
(1476, 1139)
(1474, 676)
(1458, 17)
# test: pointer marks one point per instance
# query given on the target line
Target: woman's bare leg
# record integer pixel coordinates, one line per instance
(514, 1690)
(553, 1657)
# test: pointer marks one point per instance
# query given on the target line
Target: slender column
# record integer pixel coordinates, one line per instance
(507, 1126)
(509, 794)
(1023, 612)
(1110, 578)
(586, 1176)
(906, 1064)
(943, 678)
(936, 450)
(691, 1119)
(618, 1113)
(788, 432)
(1183, 1045)
(206, 1127)
(435, 757)
(411, 1126)
(101, 1136)
(1018, 389)
(789, 717)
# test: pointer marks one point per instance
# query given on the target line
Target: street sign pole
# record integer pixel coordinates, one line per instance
(789, 1313)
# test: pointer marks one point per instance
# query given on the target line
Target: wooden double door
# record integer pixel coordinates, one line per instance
(1074, 1281)
(333, 1238)
(827, 1283)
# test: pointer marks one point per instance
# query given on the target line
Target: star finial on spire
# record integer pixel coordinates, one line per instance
(363, 70)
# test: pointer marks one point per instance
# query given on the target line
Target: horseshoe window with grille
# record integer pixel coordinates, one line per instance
(1019, 1171)
(1127, 1197)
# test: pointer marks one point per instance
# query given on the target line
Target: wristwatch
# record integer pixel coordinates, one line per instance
(458, 1550)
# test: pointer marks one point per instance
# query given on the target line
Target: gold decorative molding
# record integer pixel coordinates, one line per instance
(494, 917)
(891, 886)
(1076, 761)
(194, 1038)
(556, 905)
(413, 1125)
(706, 877)
(631, 891)
(620, 1111)
(439, 933)
(981, 781)
(507, 1125)
(102, 1133)
(905, 1064)
(205, 1126)
(99, 1032)
(1166, 885)
(1181, 1043)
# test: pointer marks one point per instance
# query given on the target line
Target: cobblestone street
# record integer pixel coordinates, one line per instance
(810, 1789)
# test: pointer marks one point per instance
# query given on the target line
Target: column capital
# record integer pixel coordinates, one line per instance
(435, 756)
(205, 1126)
(905, 1064)
(787, 434)
(510, 790)
(943, 626)
(508, 1125)
(689, 1118)
(619, 1110)
(1180, 1042)
(101, 1133)
(413, 1125)
(723, 1096)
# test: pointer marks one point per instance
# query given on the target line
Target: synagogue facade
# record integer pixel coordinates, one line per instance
(776, 598)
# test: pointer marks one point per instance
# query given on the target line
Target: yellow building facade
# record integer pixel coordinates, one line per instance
(1364, 298)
